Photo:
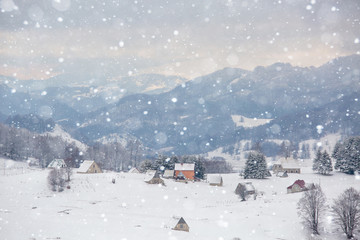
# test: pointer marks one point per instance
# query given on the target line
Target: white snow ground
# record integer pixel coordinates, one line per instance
(94, 208)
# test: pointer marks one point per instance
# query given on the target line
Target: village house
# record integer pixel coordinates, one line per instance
(168, 174)
(57, 163)
(89, 166)
(245, 189)
(286, 164)
(297, 186)
(133, 170)
(215, 180)
(185, 171)
(181, 225)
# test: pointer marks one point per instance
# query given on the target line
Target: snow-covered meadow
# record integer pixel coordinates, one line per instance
(95, 208)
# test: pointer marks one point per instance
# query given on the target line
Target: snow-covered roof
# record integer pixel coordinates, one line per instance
(84, 167)
(57, 163)
(287, 163)
(168, 173)
(149, 175)
(300, 183)
(184, 166)
(214, 179)
(173, 221)
(249, 186)
(134, 170)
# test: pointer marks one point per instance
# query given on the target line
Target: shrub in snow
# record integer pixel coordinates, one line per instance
(56, 180)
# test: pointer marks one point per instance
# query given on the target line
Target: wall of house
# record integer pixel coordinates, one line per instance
(188, 174)
(94, 168)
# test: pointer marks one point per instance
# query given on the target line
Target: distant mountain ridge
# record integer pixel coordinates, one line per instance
(196, 116)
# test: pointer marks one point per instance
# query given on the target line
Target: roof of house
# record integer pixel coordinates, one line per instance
(168, 173)
(300, 183)
(184, 166)
(181, 220)
(150, 174)
(84, 167)
(134, 170)
(57, 163)
(249, 186)
(288, 163)
(214, 179)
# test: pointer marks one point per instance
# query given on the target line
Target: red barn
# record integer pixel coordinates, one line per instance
(185, 170)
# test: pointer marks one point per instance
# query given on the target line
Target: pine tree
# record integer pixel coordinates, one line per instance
(255, 166)
(326, 164)
(347, 155)
(316, 162)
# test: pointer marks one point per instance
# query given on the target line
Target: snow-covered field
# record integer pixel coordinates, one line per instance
(95, 208)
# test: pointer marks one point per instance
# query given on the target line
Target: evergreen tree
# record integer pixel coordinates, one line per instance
(326, 164)
(255, 166)
(199, 168)
(316, 162)
(347, 155)
(322, 163)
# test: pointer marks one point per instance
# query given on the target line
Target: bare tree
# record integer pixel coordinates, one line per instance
(347, 211)
(56, 180)
(311, 206)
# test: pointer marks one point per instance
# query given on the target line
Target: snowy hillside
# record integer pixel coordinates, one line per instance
(59, 132)
(94, 208)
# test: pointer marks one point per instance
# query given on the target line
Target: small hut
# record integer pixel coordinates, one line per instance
(215, 180)
(181, 225)
(57, 163)
(89, 166)
(153, 177)
(134, 170)
(247, 187)
(168, 174)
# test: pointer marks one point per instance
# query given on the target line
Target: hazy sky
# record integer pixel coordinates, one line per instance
(43, 38)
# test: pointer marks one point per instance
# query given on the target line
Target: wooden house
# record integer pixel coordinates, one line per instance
(168, 173)
(57, 163)
(297, 186)
(215, 180)
(89, 166)
(134, 170)
(286, 164)
(249, 188)
(181, 225)
(185, 171)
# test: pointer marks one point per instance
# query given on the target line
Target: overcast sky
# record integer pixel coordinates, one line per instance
(189, 38)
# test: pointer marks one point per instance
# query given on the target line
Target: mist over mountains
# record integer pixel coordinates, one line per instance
(172, 114)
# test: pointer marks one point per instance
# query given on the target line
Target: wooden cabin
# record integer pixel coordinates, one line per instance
(181, 225)
(89, 166)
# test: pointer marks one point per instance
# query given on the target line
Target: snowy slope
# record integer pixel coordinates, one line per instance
(59, 132)
(94, 208)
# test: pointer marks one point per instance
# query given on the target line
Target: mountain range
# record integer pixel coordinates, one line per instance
(175, 115)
